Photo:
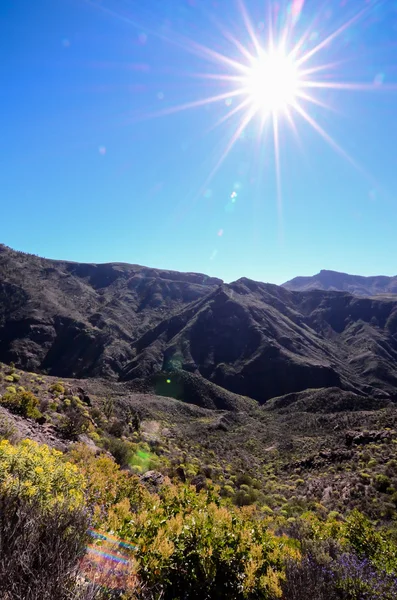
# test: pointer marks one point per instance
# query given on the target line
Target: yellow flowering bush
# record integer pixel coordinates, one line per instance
(22, 402)
(107, 485)
(189, 545)
(36, 471)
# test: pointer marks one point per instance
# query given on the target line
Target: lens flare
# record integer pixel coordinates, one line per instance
(272, 72)
(109, 562)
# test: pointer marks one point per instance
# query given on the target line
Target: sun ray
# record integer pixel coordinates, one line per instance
(304, 38)
(248, 25)
(226, 150)
(218, 76)
(322, 67)
(351, 86)
(332, 36)
(213, 55)
(230, 37)
(313, 100)
(277, 77)
(270, 43)
(276, 140)
(293, 127)
(326, 136)
(233, 139)
(195, 103)
(230, 114)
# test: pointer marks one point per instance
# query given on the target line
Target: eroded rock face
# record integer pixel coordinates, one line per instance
(250, 339)
(21, 428)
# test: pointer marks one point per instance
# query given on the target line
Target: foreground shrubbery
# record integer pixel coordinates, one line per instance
(177, 543)
(43, 523)
(39, 548)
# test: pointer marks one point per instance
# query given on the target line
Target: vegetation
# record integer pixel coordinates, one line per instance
(226, 519)
(173, 543)
(22, 402)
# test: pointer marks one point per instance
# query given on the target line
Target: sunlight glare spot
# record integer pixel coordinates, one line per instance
(272, 82)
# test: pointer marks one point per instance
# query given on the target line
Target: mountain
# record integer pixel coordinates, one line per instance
(81, 319)
(354, 284)
(192, 337)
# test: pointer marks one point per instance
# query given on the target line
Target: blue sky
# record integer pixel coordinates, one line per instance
(90, 171)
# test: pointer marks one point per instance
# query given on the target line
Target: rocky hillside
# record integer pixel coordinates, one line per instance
(249, 339)
(75, 319)
(354, 284)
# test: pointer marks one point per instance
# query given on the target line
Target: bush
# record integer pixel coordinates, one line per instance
(382, 483)
(39, 549)
(7, 429)
(308, 579)
(43, 525)
(341, 577)
(38, 472)
(57, 388)
(75, 422)
(190, 547)
(121, 451)
(22, 403)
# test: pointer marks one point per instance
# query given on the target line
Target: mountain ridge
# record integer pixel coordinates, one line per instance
(130, 323)
(354, 284)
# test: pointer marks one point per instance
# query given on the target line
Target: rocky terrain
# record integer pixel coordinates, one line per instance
(281, 398)
(354, 284)
(219, 344)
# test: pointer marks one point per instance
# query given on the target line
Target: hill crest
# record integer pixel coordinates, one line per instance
(358, 285)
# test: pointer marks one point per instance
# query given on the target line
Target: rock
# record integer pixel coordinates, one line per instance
(180, 471)
(199, 482)
(84, 439)
(152, 479)
(355, 438)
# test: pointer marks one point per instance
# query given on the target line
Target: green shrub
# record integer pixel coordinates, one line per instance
(382, 483)
(57, 388)
(74, 420)
(194, 548)
(121, 451)
(22, 403)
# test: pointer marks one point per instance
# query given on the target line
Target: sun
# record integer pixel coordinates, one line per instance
(272, 71)
(272, 82)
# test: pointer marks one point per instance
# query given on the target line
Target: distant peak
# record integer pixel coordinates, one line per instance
(358, 285)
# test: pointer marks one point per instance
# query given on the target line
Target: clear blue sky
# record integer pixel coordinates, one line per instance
(90, 171)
